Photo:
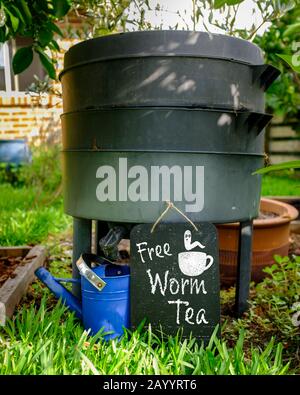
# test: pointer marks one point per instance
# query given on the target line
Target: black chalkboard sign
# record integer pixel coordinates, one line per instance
(175, 278)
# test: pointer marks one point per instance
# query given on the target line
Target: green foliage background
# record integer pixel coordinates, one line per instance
(283, 97)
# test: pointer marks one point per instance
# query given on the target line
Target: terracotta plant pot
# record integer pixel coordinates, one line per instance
(271, 237)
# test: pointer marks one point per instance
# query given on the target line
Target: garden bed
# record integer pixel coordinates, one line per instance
(17, 267)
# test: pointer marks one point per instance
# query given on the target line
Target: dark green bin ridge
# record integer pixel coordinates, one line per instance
(164, 129)
(164, 43)
(230, 191)
(165, 68)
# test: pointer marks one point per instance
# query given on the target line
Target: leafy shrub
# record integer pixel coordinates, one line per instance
(277, 295)
(272, 307)
(10, 173)
(44, 173)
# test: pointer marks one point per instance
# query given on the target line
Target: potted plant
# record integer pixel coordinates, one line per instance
(271, 237)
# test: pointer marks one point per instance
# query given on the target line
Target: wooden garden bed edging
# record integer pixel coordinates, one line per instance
(14, 288)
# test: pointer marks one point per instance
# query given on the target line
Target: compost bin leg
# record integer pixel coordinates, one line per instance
(82, 240)
(243, 267)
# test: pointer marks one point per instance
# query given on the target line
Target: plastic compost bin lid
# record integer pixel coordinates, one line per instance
(162, 43)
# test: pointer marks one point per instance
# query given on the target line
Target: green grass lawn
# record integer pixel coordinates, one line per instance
(281, 184)
(45, 338)
(41, 341)
(27, 220)
(32, 209)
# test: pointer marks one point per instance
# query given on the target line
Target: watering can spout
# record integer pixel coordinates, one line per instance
(60, 291)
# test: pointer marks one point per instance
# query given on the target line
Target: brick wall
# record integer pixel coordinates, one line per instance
(34, 118)
(22, 116)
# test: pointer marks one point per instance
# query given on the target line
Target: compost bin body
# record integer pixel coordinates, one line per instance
(164, 98)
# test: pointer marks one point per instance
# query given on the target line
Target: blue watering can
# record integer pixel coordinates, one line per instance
(105, 295)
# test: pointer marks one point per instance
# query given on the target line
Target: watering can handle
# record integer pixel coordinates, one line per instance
(86, 272)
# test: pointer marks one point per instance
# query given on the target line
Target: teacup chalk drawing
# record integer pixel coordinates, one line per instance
(193, 263)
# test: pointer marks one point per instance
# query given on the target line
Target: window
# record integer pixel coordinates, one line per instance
(21, 81)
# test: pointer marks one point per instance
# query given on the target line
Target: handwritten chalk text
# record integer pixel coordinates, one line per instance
(175, 286)
(189, 316)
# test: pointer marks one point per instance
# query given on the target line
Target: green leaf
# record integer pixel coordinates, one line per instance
(291, 60)
(45, 36)
(294, 164)
(26, 11)
(18, 13)
(60, 8)
(222, 3)
(219, 3)
(294, 28)
(47, 63)
(233, 2)
(53, 45)
(13, 20)
(22, 59)
(52, 26)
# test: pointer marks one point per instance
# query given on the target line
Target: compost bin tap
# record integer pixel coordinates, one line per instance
(109, 243)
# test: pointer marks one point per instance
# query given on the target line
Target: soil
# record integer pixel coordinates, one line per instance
(267, 215)
(8, 264)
